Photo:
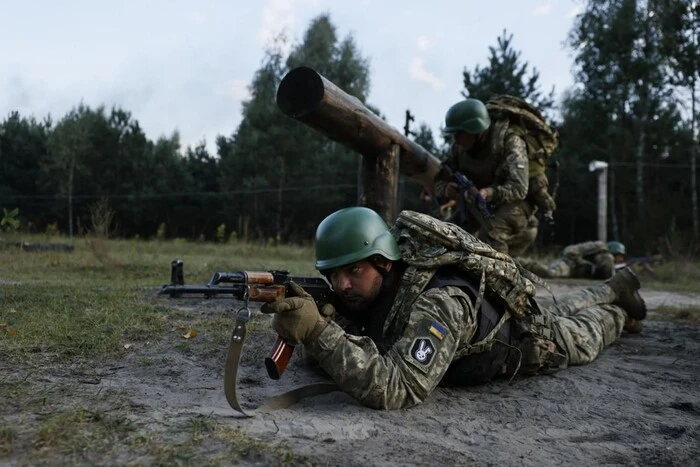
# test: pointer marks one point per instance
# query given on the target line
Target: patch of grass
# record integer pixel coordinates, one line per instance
(680, 275)
(7, 436)
(80, 430)
(201, 425)
(239, 442)
(204, 436)
(684, 314)
(145, 361)
(138, 263)
(69, 321)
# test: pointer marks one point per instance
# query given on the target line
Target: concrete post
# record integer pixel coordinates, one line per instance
(602, 169)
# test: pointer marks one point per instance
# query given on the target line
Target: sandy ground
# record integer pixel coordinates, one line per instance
(637, 404)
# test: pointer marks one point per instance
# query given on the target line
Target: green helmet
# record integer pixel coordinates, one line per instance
(353, 234)
(469, 115)
(616, 248)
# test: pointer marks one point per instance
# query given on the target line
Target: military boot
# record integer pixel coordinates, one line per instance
(626, 286)
(633, 326)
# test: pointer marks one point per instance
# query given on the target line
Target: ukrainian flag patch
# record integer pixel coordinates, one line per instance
(437, 330)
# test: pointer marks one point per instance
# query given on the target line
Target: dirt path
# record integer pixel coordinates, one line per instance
(638, 404)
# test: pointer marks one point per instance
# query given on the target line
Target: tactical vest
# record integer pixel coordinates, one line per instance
(493, 280)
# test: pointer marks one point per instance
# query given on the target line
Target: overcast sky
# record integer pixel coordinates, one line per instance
(187, 65)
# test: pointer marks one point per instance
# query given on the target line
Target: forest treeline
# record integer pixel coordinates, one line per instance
(633, 105)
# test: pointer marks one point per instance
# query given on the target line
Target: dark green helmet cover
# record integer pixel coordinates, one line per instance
(616, 248)
(353, 234)
(469, 115)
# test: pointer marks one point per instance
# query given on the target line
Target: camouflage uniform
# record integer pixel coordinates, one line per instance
(522, 241)
(429, 332)
(500, 163)
(590, 260)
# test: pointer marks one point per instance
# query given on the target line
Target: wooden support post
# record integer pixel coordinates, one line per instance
(366, 181)
(387, 179)
(379, 181)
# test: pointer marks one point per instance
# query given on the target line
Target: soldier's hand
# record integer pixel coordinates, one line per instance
(328, 312)
(296, 318)
(451, 190)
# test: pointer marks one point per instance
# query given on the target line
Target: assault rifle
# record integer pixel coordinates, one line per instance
(645, 263)
(477, 207)
(252, 286)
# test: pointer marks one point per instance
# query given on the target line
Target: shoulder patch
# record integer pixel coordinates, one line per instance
(423, 351)
(437, 330)
(428, 341)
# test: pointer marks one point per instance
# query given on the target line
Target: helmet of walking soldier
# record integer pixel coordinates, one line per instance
(353, 234)
(616, 248)
(469, 115)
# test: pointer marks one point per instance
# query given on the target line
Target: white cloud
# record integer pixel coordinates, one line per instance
(424, 43)
(574, 11)
(543, 9)
(236, 89)
(418, 72)
(277, 16)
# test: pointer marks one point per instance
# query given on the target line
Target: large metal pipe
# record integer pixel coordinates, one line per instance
(307, 96)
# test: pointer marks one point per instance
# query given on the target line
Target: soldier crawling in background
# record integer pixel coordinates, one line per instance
(588, 260)
(501, 146)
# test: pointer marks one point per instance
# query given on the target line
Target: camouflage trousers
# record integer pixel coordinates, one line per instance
(513, 228)
(601, 266)
(583, 323)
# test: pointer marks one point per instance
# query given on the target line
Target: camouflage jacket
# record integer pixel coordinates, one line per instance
(500, 164)
(588, 259)
(427, 329)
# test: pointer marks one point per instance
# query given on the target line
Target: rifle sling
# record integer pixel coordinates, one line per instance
(281, 401)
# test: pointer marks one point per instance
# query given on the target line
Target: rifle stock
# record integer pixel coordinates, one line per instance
(254, 286)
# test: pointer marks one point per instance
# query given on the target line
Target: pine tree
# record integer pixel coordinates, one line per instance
(506, 74)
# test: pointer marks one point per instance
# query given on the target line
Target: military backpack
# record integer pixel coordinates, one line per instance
(515, 114)
(428, 243)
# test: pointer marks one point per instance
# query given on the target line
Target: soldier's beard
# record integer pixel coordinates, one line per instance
(356, 301)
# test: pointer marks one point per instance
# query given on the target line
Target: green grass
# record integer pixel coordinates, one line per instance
(74, 320)
(677, 276)
(79, 304)
(684, 314)
(147, 263)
